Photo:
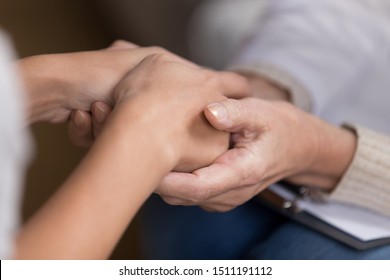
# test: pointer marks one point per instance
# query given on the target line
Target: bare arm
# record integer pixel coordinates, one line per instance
(156, 126)
(56, 84)
(89, 213)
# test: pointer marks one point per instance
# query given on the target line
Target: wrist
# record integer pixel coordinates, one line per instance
(332, 152)
(336, 161)
(45, 90)
(149, 121)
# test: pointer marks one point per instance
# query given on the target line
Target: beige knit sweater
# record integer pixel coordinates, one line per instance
(367, 181)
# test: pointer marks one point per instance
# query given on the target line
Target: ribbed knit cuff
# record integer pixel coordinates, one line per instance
(367, 181)
(299, 95)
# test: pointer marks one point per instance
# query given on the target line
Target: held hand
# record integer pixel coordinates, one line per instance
(272, 140)
(163, 88)
(84, 126)
(59, 83)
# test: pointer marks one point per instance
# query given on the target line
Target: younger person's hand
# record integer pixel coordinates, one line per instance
(174, 94)
(56, 84)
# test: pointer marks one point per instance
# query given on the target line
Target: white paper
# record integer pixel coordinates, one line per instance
(359, 222)
(363, 224)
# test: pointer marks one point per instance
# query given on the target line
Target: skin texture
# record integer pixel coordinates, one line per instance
(276, 141)
(153, 118)
(74, 81)
(85, 126)
(271, 141)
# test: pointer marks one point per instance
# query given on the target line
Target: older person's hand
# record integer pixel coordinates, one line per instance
(270, 141)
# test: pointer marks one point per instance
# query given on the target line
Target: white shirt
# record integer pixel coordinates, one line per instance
(337, 52)
(14, 149)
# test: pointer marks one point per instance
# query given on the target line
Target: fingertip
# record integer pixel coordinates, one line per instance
(102, 105)
(79, 119)
(100, 111)
(100, 114)
(80, 128)
(218, 116)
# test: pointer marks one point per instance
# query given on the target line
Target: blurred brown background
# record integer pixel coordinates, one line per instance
(44, 26)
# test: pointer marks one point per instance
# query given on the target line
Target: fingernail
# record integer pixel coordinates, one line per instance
(218, 111)
(99, 113)
(79, 118)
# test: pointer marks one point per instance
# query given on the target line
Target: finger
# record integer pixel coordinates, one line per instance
(122, 45)
(231, 198)
(209, 207)
(237, 116)
(231, 170)
(234, 198)
(100, 113)
(233, 85)
(220, 208)
(80, 128)
(174, 201)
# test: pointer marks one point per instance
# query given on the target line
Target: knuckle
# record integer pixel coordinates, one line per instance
(160, 63)
(157, 50)
(210, 78)
(235, 108)
(198, 195)
(250, 179)
(117, 42)
(251, 171)
(157, 57)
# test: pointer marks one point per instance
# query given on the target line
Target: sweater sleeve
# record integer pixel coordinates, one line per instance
(316, 49)
(367, 181)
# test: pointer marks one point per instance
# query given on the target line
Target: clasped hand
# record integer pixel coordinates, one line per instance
(270, 140)
(151, 84)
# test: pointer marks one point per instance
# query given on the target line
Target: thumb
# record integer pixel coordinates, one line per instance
(233, 115)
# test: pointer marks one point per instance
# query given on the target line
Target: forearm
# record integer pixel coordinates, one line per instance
(157, 125)
(56, 84)
(89, 213)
